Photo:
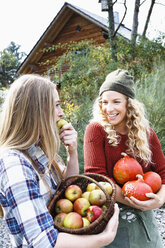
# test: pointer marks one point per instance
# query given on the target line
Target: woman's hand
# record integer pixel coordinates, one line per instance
(64, 240)
(108, 235)
(68, 137)
(153, 202)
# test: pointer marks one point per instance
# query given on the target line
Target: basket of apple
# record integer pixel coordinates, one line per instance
(83, 204)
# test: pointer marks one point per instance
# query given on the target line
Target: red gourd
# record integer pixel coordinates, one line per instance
(153, 180)
(137, 188)
(126, 169)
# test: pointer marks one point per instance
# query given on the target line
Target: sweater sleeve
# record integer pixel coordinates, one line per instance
(158, 158)
(94, 149)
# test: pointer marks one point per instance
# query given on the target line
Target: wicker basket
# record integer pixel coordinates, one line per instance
(82, 180)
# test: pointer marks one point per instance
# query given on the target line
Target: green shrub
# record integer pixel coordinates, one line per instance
(151, 91)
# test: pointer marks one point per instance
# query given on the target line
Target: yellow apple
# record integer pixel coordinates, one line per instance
(73, 192)
(86, 222)
(86, 195)
(97, 197)
(107, 186)
(91, 186)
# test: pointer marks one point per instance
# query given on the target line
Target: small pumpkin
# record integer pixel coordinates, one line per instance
(153, 180)
(137, 188)
(126, 169)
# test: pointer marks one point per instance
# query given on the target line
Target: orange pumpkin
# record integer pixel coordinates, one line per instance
(153, 180)
(137, 188)
(126, 169)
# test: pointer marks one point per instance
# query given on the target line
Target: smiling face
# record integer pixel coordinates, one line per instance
(114, 106)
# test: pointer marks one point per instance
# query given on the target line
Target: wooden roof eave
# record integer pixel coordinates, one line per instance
(51, 33)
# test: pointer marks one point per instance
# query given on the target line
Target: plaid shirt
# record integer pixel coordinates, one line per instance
(24, 198)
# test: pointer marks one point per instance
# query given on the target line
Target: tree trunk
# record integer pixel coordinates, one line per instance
(111, 30)
(135, 22)
(148, 18)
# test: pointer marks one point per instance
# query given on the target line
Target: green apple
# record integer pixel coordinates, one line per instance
(60, 124)
(104, 207)
(86, 222)
(91, 186)
(73, 220)
(107, 186)
(59, 219)
(63, 206)
(97, 197)
(73, 192)
(81, 205)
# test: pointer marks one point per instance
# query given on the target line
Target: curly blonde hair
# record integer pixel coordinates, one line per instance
(137, 124)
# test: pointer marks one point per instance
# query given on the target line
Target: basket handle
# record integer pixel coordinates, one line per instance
(90, 179)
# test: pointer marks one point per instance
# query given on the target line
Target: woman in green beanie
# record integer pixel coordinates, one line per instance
(119, 125)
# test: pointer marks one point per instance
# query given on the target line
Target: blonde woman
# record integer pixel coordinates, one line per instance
(30, 167)
(119, 125)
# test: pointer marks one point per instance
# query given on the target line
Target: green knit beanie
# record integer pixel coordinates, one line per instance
(119, 81)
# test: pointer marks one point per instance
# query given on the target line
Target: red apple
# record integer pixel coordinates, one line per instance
(91, 186)
(86, 222)
(107, 186)
(73, 192)
(59, 219)
(93, 213)
(63, 206)
(73, 220)
(97, 197)
(86, 195)
(81, 205)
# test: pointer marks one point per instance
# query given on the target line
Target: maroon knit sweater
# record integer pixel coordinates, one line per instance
(100, 157)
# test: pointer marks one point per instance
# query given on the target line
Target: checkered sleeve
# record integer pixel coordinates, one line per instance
(31, 220)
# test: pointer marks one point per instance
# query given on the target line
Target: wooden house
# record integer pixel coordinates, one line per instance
(70, 24)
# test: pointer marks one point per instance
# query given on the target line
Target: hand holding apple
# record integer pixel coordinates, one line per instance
(60, 124)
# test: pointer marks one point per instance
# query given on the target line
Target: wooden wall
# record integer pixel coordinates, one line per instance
(77, 28)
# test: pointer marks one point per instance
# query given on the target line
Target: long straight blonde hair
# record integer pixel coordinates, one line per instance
(28, 116)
